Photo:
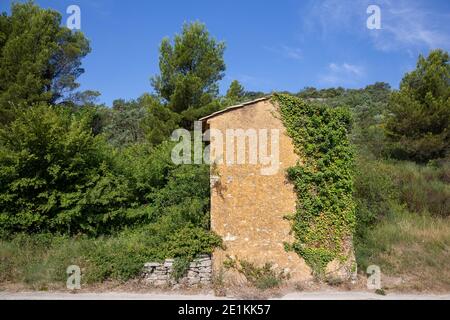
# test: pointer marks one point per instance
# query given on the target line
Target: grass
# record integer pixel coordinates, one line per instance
(403, 227)
(404, 223)
(423, 188)
(415, 247)
(263, 278)
(40, 260)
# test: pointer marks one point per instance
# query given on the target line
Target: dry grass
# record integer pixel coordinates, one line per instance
(412, 250)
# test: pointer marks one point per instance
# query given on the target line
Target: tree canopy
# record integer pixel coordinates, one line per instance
(40, 60)
(419, 113)
(235, 92)
(190, 68)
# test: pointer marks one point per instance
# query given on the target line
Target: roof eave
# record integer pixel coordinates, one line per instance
(237, 106)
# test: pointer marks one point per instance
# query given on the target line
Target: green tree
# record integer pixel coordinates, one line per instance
(190, 68)
(40, 60)
(125, 123)
(419, 113)
(159, 121)
(56, 176)
(235, 92)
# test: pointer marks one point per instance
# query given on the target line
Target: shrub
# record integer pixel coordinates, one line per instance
(42, 259)
(56, 176)
(375, 193)
(382, 186)
(423, 188)
(263, 278)
(411, 246)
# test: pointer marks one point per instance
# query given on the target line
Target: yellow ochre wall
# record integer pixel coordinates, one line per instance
(247, 208)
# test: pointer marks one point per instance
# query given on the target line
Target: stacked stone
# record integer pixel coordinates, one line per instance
(156, 273)
(200, 271)
(159, 274)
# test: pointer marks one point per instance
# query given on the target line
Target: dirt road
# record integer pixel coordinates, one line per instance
(324, 295)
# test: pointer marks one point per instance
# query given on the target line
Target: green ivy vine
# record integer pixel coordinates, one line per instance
(323, 179)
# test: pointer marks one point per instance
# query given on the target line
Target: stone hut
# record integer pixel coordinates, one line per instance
(249, 199)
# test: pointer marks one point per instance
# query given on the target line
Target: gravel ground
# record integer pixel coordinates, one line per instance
(325, 295)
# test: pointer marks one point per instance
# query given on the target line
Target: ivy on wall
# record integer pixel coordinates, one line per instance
(325, 213)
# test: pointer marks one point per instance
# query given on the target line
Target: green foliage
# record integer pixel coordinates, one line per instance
(368, 107)
(419, 114)
(160, 121)
(375, 193)
(39, 59)
(124, 125)
(122, 256)
(235, 92)
(41, 259)
(179, 267)
(313, 93)
(409, 245)
(56, 176)
(190, 184)
(190, 68)
(188, 241)
(147, 168)
(422, 188)
(323, 180)
(263, 278)
(402, 218)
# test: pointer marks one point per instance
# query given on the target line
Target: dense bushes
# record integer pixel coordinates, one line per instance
(374, 193)
(95, 186)
(56, 176)
(410, 248)
(381, 186)
(42, 259)
(423, 188)
(403, 219)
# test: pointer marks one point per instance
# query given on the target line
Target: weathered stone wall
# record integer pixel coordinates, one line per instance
(159, 274)
(248, 208)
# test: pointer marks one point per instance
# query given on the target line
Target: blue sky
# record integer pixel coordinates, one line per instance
(271, 45)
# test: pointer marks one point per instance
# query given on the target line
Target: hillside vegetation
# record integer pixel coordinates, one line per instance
(93, 185)
(402, 182)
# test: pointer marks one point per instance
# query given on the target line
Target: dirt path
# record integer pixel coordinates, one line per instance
(323, 295)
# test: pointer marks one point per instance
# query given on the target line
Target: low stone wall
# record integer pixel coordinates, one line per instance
(159, 274)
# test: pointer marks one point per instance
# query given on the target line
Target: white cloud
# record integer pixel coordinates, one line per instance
(342, 74)
(286, 51)
(293, 53)
(405, 25)
(346, 68)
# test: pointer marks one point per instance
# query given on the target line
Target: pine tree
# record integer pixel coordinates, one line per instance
(235, 92)
(189, 68)
(40, 60)
(419, 113)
